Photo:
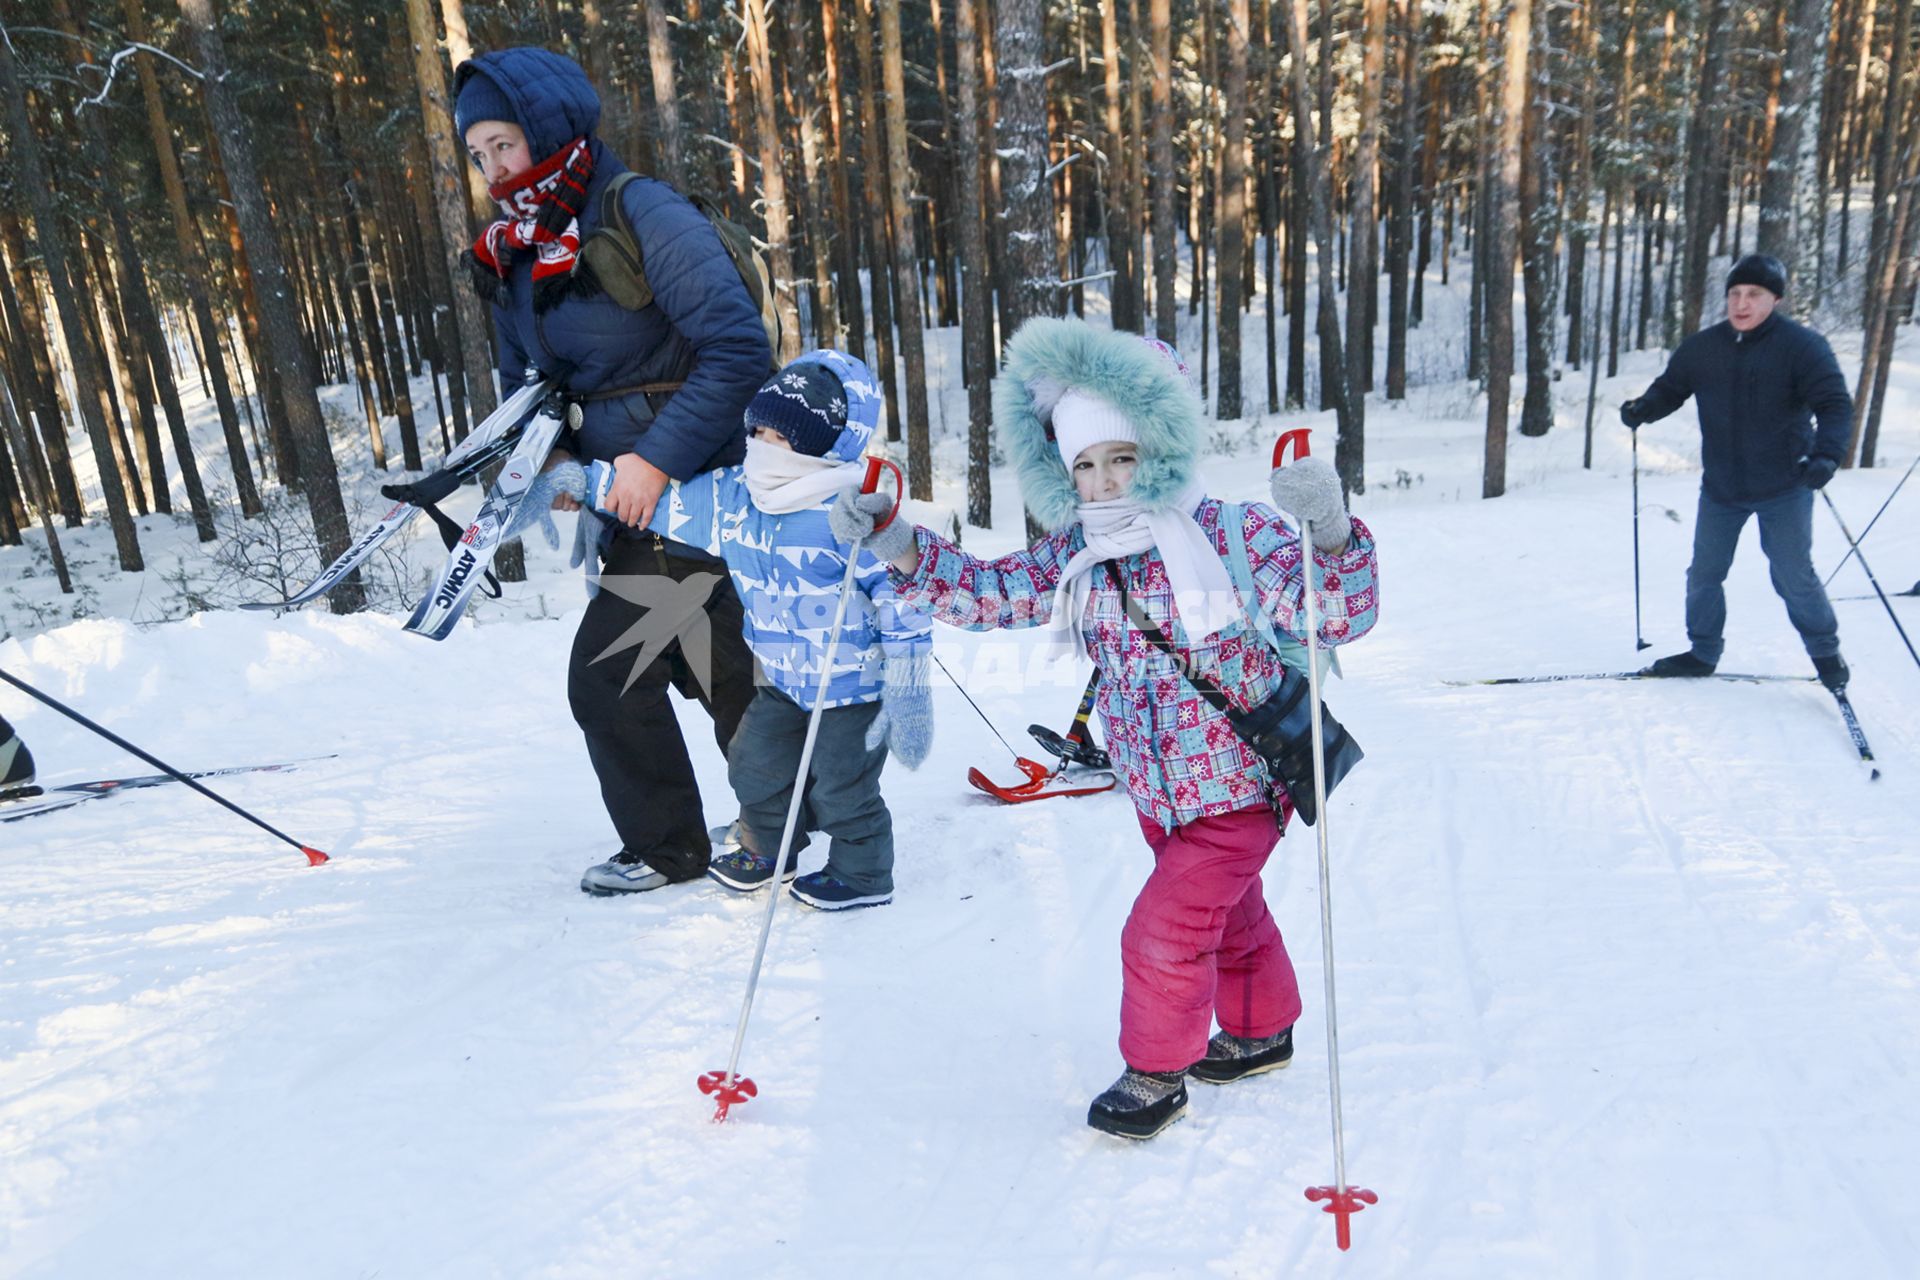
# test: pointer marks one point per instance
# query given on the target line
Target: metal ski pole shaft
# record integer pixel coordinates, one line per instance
(1884, 602)
(1853, 551)
(314, 856)
(1342, 1201)
(729, 1087)
(1639, 638)
(976, 706)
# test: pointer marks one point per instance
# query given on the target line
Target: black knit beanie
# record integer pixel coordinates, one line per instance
(806, 403)
(1760, 269)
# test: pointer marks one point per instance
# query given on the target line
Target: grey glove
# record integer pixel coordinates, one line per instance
(905, 722)
(536, 508)
(853, 515)
(1309, 490)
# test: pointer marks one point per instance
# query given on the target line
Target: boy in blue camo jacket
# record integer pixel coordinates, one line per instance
(808, 428)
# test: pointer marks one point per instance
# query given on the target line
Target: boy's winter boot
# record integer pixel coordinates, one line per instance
(1140, 1103)
(1230, 1057)
(625, 872)
(746, 871)
(825, 892)
(1833, 671)
(1680, 664)
(16, 766)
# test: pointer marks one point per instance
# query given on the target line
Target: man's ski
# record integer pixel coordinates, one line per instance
(1631, 675)
(1914, 590)
(1853, 730)
(73, 793)
(485, 445)
(1043, 783)
(446, 597)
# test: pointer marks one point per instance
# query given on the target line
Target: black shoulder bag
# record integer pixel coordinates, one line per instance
(1279, 729)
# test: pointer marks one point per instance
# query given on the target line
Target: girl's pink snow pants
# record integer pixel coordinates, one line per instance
(1200, 943)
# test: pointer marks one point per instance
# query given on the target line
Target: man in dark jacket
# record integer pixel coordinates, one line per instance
(662, 392)
(1755, 378)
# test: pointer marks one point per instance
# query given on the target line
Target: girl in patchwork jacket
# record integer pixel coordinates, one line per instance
(1105, 430)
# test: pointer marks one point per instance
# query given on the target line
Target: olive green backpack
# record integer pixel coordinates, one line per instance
(612, 254)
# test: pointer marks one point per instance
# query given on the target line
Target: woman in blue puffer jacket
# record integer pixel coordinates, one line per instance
(662, 392)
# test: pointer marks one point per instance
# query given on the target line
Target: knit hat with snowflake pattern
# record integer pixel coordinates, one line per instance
(806, 403)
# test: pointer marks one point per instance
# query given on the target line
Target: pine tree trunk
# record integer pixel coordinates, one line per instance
(906, 257)
(1233, 207)
(1400, 201)
(1539, 235)
(1505, 174)
(1025, 189)
(32, 486)
(976, 276)
(30, 169)
(1310, 156)
(292, 357)
(1806, 185)
(666, 99)
(880, 274)
(214, 366)
(846, 241)
(20, 298)
(1363, 265)
(1704, 149)
(1113, 178)
(1160, 164)
(773, 178)
(827, 328)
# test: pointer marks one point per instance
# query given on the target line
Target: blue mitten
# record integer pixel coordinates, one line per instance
(905, 722)
(536, 508)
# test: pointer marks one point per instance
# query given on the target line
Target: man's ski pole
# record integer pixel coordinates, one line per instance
(1342, 1200)
(1639, 640)
(1884, 602)
(730, 1087)
(1852, 551)
(314, 856)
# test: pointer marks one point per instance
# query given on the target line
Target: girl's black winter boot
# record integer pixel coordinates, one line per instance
(1140, 1103)
(1230, 1057)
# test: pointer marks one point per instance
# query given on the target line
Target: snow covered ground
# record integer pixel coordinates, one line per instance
(1627, 971)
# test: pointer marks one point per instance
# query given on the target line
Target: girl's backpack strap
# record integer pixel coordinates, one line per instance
(1240, 567)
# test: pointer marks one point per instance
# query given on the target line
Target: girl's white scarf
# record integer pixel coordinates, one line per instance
(1202, 591)
(781, 480)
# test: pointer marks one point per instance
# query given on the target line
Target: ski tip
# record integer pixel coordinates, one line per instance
(314, 856)
(1874, 776)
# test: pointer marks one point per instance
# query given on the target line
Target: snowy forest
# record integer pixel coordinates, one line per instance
(1626, 966)
(260, 200)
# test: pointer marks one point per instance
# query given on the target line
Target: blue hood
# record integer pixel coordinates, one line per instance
(552, 98)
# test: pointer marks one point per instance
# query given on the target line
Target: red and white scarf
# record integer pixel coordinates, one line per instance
(542, 212)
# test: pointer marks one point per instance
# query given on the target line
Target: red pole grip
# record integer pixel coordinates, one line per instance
(871, 484)
(1298, 439)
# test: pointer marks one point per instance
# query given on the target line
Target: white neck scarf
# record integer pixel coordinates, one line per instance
(781, 480)
(1203, 593)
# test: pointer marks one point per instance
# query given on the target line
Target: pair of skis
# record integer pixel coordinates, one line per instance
(1839, 696)
(506, 434)
(54, 799)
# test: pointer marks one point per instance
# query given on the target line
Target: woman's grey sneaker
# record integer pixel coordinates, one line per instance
(1230, 1058)
(748, 871)
(625, 872)
(1140, 1103)
(820, 890)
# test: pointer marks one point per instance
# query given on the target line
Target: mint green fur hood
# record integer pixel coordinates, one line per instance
(1142, 378)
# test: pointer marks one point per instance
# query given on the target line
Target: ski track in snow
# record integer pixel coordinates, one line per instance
(1627, 971)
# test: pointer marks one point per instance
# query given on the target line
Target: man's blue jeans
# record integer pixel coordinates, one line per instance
(1786, 536)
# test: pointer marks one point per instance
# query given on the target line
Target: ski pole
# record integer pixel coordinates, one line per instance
(1639, 639)
(730, 1087)
(1852, 551)
(1885, 603)
(314, 856)
(976, 706)
(1342, 1200)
